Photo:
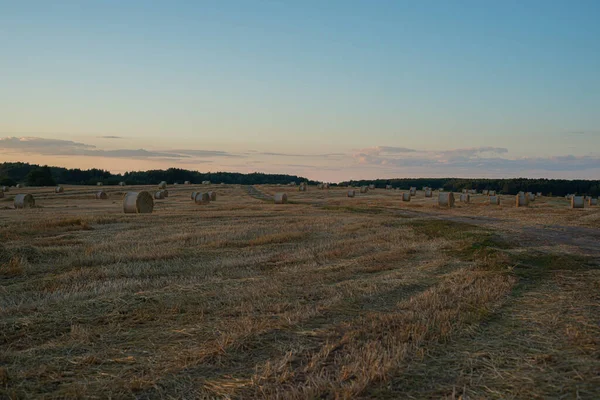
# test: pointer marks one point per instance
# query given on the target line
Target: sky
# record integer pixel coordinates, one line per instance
(330, 90)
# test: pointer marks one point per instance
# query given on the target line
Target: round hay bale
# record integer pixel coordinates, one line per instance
(212, 195)
(101, 195)
(59, 189)
(19, 186)
(428, 193)
(320, 186)
(446, 199)
(121, 183)
(538, 194)
(302, 188)
(206, 182)
(159, 195)
(187, 183)
(491, 192)
(326, 186)
(202, 198)
(24, 201)
(464, 191)
(413, 191)
(388, 187)
(577, 202)
(5, 188)
(165, 193)
(495, 200)
(465, 198)
(522, 200)
(371, 187)
(364, 189)
(280, 198)
(592, 202)
(531, 196)
(406, 196)
(194, 195)
(99, 184)
(351, 193)
(138, 203)
(162, 185)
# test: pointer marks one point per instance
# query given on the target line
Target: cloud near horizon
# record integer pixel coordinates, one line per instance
(473, 159)
(58, 147)
(366, 163)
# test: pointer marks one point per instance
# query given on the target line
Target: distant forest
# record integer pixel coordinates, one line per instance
(555, 187)
(36, 175)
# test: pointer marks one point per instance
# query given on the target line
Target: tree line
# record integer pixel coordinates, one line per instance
(36, 175)
(555, 187)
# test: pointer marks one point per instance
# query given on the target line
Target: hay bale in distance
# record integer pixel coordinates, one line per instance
(212, 195)
(101, 195)
(495, 200)
(59, 189)
(138, 203)
(19, 186)
(413, 191)
(302, 187)
(99, 184)
(121, 183)
(5, 189)
(280, 198)
(538, 194)
(428, 193)
(446, 199)
(530, 196)
(592, 202)
(159, 195)
(406, 196)
(206, 182)
(388, 187)
(165, 193)
(371, 187)
(465, 198)
(187, 183)
(464, 191)
(202, 198)
(492, 192)
(351, 193)
(162, 185)
(484, 192)
(522, 200)
(364, 189)
(194, 195)
(577, 202)
(24, 201)
(320, 186)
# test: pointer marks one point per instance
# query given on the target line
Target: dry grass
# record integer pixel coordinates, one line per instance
(326, 297)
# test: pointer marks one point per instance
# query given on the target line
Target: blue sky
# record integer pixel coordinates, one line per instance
(331, 90)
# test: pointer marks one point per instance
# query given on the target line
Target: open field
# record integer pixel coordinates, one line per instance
(324, 297)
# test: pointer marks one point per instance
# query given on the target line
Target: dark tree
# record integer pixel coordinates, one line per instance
(40, 177)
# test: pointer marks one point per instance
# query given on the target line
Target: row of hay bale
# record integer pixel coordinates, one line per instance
(133, 202)
(204, 197)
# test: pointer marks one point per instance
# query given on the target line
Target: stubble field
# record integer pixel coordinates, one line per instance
(324, 297)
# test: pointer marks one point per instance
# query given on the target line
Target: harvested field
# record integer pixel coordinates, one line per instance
(326, 297)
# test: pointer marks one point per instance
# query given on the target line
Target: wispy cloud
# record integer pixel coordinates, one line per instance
(70, 148)
(476, 159)
(324, 155)
(110, 137)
